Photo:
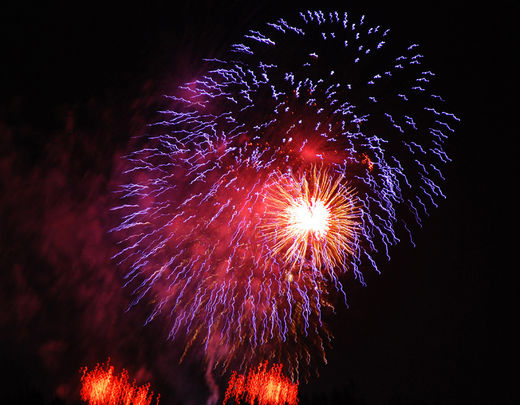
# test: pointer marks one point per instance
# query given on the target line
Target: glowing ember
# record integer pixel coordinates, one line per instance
(101, 387)
(266, 387)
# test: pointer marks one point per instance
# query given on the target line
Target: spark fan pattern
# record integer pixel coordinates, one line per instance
(313, 119)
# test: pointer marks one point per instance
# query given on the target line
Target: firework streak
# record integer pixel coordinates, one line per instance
(265, 387)
(299, 156)
(101, 387)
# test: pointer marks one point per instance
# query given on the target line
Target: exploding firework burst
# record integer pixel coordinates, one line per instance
(262, 387)
(311, 223)
(293, 160)
(101, 386)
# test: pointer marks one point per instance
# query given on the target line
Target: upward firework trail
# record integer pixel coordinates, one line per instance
(299, 156)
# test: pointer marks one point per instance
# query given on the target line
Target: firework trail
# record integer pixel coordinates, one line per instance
(266, 387)
(101, 386)
(299, 156)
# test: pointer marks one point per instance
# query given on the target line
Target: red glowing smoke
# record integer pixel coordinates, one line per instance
(102, 387)
(267, 387)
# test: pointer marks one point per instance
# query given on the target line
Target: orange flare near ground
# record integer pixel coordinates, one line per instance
(101, 386)
(267, 387)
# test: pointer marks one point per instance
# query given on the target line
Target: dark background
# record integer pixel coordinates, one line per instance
(77, 80)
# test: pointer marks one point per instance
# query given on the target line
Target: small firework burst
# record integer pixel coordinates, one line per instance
(312, 222)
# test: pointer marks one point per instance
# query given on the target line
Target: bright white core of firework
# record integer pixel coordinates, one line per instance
(309, 217)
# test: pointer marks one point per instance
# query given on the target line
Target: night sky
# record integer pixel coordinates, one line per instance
(77, 81)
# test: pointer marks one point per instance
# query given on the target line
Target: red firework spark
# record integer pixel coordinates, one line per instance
(101, 386)
(267, 387)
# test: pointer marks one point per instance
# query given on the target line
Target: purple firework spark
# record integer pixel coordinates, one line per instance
(319, 92)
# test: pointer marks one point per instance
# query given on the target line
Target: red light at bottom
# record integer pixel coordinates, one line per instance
(101, 386)
(267, 387)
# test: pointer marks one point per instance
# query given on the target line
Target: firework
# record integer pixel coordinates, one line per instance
(267, 387)
(299, 156)
(101, 386)
(311, 223)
